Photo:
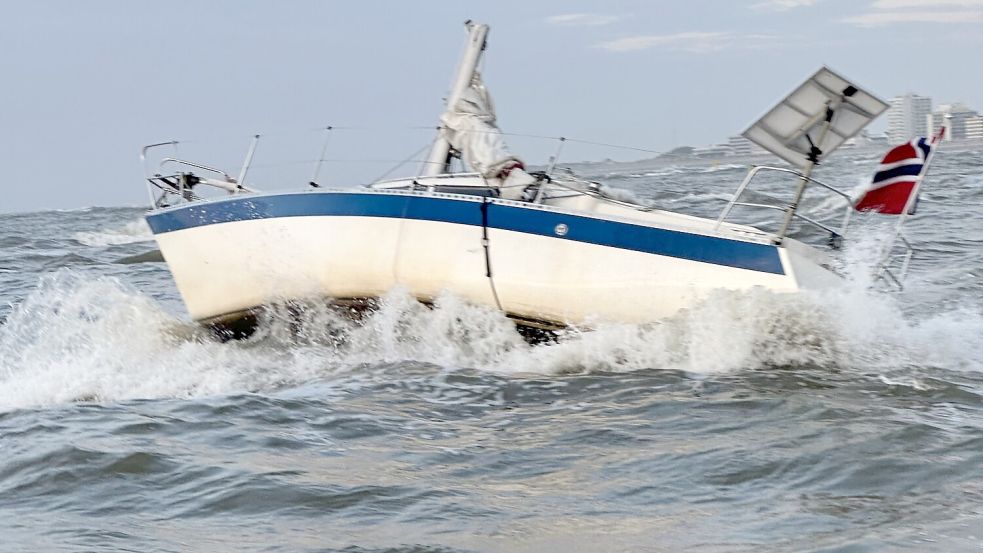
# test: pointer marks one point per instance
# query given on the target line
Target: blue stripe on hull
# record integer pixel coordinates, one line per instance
(682, 245)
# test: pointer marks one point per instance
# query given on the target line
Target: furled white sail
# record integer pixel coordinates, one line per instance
(469, 126)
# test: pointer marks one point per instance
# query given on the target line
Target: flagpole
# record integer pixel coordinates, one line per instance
(913, 197)
(909, 205)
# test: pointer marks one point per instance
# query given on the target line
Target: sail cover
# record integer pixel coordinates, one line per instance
(792, 128)
(469, 127)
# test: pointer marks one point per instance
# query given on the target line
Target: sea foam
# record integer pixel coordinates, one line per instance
(97, 339)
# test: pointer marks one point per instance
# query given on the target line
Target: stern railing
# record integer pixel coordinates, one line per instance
(790, 210)
(163, 187)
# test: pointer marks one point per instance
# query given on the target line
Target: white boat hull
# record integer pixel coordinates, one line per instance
(537, 264)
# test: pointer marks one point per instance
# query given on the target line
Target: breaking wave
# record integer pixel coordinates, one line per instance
(78, 338)
(723, 167)
(132, 232)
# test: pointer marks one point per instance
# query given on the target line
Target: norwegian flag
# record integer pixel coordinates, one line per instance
(896, 181)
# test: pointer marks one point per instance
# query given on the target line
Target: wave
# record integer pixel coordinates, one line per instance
(723, 167)
(79, 338)
(67, 211)
(132, 232)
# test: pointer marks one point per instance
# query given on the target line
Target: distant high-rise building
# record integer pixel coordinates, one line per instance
(974, 127)
(906, 118)
(957, 119)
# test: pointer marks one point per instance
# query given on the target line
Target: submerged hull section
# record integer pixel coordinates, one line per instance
(534, 262)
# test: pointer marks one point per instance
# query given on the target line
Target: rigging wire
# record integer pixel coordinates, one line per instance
(362, 128)
(401, 163)
(320, 157)
(329, 130)
(351, 160)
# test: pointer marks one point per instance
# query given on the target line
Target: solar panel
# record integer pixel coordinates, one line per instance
(792, 130)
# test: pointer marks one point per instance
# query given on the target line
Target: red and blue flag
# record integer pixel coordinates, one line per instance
(898, 177)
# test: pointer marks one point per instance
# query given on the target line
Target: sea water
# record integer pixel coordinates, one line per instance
(841, 420)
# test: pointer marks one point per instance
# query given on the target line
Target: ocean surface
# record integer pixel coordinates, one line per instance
(846, 420)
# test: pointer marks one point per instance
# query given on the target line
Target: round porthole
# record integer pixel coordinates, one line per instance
(561, 229)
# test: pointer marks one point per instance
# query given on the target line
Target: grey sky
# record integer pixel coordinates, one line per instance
(87, 83)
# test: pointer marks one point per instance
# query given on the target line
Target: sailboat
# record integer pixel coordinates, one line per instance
(548, 250)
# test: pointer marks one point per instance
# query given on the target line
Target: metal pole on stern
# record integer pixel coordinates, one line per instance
(248, 161)
(813, 159)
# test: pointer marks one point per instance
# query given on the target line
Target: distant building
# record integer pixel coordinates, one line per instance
(740, 146)
(906, 118)
(974, 127)
(957, 118)
(716, 150)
